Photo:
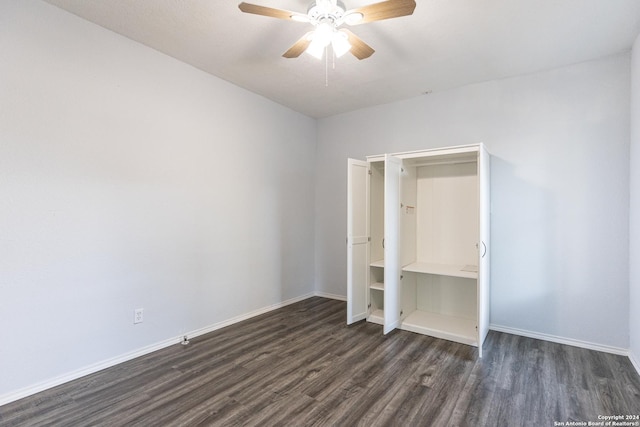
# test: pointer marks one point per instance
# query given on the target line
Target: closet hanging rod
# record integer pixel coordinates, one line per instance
(442, 162)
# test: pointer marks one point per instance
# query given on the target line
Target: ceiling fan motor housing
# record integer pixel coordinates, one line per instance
(323, 10)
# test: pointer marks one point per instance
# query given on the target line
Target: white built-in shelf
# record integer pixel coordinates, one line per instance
(376, 317)
(378, 286)
(379, 263)
(452, 328)
(466, 271)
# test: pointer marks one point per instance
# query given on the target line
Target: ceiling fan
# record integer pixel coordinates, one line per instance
(327, 16)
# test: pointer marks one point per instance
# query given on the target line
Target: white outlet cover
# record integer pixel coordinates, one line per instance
(138, 315)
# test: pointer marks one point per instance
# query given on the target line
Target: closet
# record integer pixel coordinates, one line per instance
(418, 242)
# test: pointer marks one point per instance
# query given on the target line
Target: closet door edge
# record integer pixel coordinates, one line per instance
(357, 240)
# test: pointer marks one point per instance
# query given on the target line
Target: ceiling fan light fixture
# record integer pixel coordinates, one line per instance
(340, 43)
(316, 49)
(324, 33)
(320, 39)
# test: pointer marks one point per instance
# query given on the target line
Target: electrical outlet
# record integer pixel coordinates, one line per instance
(138, 315)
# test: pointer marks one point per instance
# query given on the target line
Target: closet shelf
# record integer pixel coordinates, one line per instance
(378, 263)
(378, 285)
(376, 317)
(442, 269)
(452, 328)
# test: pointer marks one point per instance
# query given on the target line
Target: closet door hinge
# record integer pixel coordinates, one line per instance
(369, 172)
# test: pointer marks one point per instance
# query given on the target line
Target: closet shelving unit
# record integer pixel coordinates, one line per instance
(418, 242)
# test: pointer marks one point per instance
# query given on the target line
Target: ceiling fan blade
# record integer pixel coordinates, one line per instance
(384, 10)
(359, 49)
(266, 11)
(299, 46)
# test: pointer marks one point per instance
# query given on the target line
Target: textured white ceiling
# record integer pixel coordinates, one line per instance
(444, 44)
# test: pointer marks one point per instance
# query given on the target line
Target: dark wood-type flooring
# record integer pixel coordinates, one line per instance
(302, 365)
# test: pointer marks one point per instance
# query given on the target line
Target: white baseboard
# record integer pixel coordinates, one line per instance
(634, 361)
(561, 340)
(330, 296)
(246, 316)
(87, 370)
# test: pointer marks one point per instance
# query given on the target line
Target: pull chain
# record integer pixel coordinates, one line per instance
(326, 66)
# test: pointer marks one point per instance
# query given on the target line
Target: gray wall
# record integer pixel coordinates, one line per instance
(560, 190)
(129, 179)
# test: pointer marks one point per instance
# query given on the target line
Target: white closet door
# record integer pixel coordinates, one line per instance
(392, 267)
(357, 239)
(484, 262)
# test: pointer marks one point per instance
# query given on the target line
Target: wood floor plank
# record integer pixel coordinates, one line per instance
(302, 365)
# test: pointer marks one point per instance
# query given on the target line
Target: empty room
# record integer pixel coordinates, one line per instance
(328, 213)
